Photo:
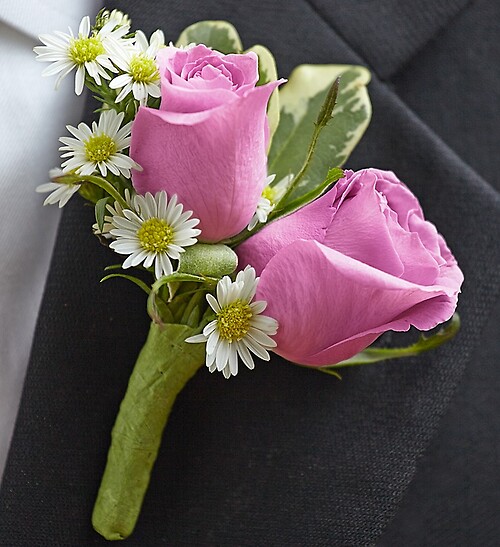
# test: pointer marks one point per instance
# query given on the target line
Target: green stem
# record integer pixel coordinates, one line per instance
(425, 343)
(164, 366)
(106, 186)
(303, 169)
(324, 116)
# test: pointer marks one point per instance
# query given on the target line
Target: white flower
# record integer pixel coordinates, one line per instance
(264, 207)
(157, 230)
(60, 192)
(115, 210)
(99, 148)
(187, 47)
(239, 329)
(271, 195)
(87, 52)
(141, 73)
(119, 18)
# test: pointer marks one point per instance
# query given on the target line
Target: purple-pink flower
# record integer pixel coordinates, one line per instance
(355, 263)
(207, 142)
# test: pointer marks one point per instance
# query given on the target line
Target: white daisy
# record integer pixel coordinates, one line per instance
(119, 19)
(61, 192)
(191, 45)
(141, 73)
(271, 195)
(87, 52)
(99, 148)
(157, 230)
(239, 329)
(115, 210)
(264, 207)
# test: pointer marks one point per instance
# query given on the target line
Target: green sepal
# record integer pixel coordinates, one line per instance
(210, 260)
(268, 73)
(301, 99)
(100, 211)
(219, 35)
(425, 343)
(164, 366)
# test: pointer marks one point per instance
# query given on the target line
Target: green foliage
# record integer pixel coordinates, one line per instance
(333, 176)
(132, 278)
(425, 343)
(100, 211)
(90, 192)
(326, 111)
(165, 364)
(268, 73)
(181, 290)
(301, 99)
(219, 35)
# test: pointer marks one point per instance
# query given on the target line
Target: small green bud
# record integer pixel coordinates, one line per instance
(211, 260)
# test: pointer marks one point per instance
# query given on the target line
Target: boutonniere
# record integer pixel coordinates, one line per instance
(220, 190)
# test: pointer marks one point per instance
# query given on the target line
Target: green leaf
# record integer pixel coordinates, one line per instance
(219, 35)
(268, 73)
(100, 211)
(301, 100)
(425, 343)
(179, 276)
(157, 308)
(135, 280)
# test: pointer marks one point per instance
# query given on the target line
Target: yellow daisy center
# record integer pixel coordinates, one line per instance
(155, 235)
(83, 50)
(99, 148)
(143, 69)
(233, 321)
(269, 193)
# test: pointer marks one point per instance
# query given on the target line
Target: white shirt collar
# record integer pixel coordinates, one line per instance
(35, 17)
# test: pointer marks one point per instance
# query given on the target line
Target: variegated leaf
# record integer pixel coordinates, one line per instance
(268, 73)
(219, 35)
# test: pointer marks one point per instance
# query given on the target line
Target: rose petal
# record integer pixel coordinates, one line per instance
(310, 222)
(215, 161)
(344, 306)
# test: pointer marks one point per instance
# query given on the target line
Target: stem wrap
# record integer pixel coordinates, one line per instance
(163, 367)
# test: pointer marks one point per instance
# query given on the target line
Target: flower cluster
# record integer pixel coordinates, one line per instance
(177, 166)
(242, 227)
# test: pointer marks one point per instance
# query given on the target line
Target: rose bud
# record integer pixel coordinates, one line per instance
(207, 142)
(357, 262)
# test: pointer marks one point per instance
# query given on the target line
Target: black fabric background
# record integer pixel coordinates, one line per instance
(283, 455)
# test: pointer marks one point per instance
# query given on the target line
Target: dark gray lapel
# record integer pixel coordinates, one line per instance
(282, 455)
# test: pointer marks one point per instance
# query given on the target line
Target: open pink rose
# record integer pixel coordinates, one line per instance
(207, 142)
(357, 262)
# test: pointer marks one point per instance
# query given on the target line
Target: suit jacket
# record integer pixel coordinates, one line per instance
(400, 453)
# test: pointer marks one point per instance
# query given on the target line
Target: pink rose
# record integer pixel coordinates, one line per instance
(357, 262)
(207, 142)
